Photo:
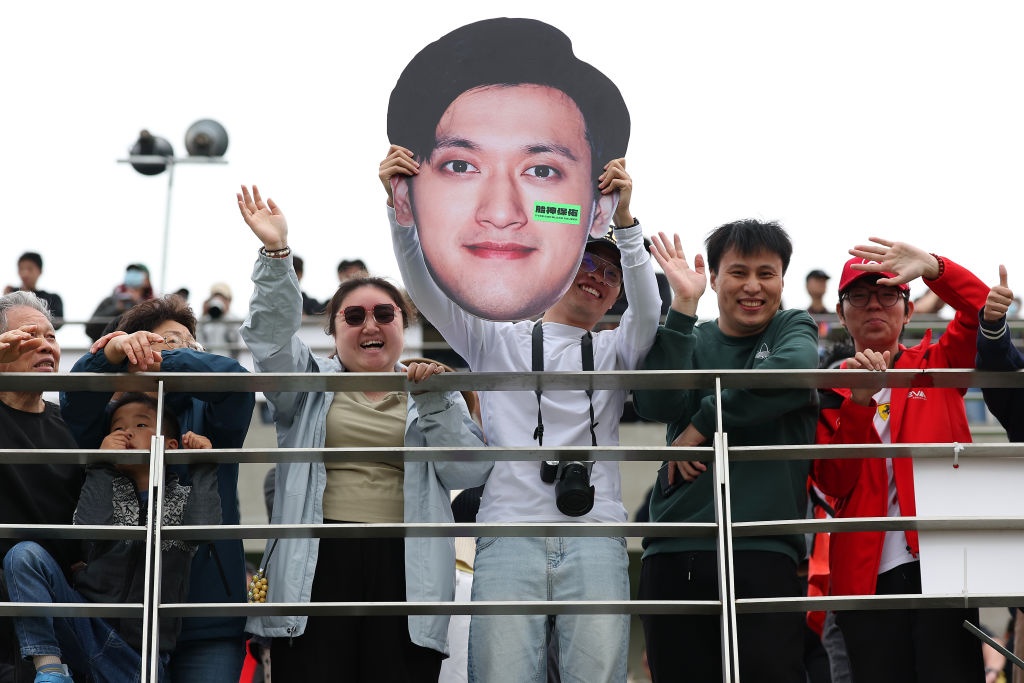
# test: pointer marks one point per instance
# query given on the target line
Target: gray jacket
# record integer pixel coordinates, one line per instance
(434, 419)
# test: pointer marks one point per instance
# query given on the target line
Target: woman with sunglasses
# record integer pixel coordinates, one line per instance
(366, 318)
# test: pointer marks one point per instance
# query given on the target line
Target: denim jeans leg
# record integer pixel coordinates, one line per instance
(34, 576)
(593, 648)
(209, 659)
(509, 648)
(85, 644)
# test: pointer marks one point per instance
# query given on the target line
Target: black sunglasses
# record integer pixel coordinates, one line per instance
(383, 314)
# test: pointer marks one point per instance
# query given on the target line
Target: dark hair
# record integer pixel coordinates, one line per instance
(171, 426)
(149, 314)
(33, 257)
(137, 266)
(298, 265)
(747, 237)
(348, 286)
(506, 52)
(348, 263)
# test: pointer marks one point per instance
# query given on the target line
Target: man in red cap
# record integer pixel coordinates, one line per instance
(874, 306)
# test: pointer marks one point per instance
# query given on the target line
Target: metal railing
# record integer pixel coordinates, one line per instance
(724, 530)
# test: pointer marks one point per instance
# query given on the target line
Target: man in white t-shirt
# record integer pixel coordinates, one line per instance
(593, 648)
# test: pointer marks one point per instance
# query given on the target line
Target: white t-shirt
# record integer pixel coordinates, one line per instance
(894, 548)
(514, 490)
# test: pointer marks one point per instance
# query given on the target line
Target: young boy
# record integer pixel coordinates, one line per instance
(113, 570)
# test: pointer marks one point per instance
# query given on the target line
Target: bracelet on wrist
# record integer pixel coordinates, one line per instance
(942, 267)
(636, 222)
(276, 253)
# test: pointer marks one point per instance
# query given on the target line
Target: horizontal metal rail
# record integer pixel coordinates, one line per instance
(447, 454)
(664, 380)
(508, 381)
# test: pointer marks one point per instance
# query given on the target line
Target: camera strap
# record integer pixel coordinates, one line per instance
(587, 353)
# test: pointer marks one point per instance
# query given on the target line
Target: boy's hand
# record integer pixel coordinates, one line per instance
(194, 441)
(116, 441)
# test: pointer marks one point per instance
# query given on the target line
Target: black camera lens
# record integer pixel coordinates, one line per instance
(574, 495)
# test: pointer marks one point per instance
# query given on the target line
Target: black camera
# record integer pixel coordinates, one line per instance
(216, 306)
(574, 495)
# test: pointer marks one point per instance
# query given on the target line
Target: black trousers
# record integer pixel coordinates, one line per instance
(683, 648)
(365, 649)
(908, 646)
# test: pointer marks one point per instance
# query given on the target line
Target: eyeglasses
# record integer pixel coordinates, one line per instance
(383, 314)
(887, 296)
(591, 262)
(173, 341)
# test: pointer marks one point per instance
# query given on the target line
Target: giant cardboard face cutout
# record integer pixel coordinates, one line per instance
(511, 131)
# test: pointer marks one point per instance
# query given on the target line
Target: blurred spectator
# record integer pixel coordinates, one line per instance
(218, 329)
(352, 268)
(817, 285)
(30, 267)
(310, 306)
(133, 290)
(928, 303)
(182, 294)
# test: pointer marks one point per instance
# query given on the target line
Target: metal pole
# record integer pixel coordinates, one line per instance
(726, 567)
(150, 655)
(167, 227)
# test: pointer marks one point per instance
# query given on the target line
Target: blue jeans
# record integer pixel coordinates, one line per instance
(213, 659)
(592, 647)
(88, 645)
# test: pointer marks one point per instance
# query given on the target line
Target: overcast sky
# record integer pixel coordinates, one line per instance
(841, 121)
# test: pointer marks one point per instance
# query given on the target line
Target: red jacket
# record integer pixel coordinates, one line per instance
(917, 415)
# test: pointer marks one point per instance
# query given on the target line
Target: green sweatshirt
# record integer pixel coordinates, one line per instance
(760, 489)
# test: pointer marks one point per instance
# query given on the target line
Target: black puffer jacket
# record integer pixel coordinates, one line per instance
(115, 570)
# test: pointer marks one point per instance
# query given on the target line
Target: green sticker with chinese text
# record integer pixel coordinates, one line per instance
(556, 213)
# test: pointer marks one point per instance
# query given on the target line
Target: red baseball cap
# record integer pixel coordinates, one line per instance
(850, 275)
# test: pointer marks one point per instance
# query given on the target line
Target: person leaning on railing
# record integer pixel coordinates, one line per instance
(366, 318)
(113, 571)
(874, 306)
(158, 335)
(38, 493)
(747, 261)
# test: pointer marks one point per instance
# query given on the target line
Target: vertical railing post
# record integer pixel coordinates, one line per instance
(150, 655)
(726, 566)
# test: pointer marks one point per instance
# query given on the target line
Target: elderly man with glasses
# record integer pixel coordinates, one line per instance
(874, 306)
(158, 335)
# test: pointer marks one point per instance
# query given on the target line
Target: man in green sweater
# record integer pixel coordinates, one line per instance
(747, 261)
